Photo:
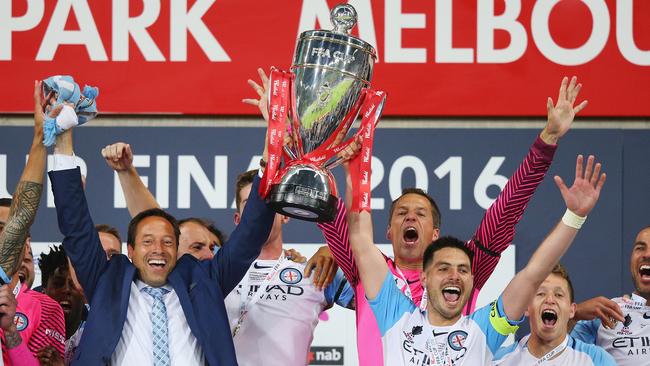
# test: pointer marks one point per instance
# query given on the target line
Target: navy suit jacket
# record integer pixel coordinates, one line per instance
(200, 285)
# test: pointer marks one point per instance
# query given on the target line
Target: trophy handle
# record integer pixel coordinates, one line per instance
(373, 121)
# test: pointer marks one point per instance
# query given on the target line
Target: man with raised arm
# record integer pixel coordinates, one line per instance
(29, 320)
(627, 340)
(415, 222)
(437, 332)
(159, 309)
(550, 312)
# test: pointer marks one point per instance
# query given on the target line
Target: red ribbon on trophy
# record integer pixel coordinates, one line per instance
(360, 166)
(279, 83)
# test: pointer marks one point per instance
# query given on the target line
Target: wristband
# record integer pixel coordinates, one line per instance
(570, 219)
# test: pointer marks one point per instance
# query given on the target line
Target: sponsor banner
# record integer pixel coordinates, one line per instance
(435, 58)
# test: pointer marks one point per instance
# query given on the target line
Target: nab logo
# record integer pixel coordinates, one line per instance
(325, 356)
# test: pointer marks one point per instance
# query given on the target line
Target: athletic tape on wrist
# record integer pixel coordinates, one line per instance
(572, 220)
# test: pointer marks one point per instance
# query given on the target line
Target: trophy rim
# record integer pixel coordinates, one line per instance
(317, 66)
(329, 36)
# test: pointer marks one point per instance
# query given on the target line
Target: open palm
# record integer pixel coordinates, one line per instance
(560, 116)
(585, 191)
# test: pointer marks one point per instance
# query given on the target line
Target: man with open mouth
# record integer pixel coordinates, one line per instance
(414, 222)
(156, 308)
(437, 332)
(549, 314)
(627, 340)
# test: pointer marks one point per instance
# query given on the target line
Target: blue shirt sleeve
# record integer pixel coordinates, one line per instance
(390, 304)
(495, 324)
(340, 292)
(586, 330)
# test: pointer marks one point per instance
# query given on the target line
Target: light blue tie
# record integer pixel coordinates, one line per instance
(159, 326)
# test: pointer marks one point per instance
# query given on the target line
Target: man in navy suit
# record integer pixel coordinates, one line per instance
(155, 310)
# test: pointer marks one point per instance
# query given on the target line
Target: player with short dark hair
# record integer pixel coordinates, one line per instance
(627, 340)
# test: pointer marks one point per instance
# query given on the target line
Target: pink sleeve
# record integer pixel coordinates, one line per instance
(497, 229)
(21, 356)
(336, 235)
(51, 330)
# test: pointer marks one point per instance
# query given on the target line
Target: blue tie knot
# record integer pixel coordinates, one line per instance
(156, 292)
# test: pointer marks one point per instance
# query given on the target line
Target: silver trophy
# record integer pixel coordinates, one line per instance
(330, 77)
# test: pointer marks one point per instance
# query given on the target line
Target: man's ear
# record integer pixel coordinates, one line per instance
(572, 312)
(436, 234)
(236, 218)
(389, 236)
(129, 251)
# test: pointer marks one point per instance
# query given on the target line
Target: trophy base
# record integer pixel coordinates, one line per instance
(303, 203)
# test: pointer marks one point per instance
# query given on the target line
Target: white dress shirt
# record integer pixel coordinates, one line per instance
(135, 346)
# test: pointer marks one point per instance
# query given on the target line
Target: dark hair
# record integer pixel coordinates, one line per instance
(435, 212)
(208, 224)
(444, 242)
(561, 271)
(133, 225)
(48, 263)
(104, 228)
(243, 180)
(5, 202)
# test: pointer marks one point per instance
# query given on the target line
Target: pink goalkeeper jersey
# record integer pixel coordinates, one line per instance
(40, 322)
(493, 236)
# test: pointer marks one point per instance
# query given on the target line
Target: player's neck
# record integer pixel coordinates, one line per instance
(539, 347)
(408, 265)
(271, 250)
(645, 296)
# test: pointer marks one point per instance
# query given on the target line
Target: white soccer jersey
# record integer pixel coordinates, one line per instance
(278, 328)
(409, 339)
(628, 342)
(576, 353)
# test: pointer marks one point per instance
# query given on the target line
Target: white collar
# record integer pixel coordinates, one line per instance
(141, 285)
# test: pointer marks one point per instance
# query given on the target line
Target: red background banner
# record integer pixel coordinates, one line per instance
(440, 63)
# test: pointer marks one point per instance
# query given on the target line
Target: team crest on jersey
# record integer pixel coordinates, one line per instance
(290, 276)
(21, 321)
(457, 339)
(626, 326)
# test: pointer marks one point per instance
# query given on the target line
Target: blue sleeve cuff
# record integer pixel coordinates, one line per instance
(4, 279)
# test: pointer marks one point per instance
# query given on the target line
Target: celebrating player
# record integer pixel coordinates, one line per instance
(437, 332)
(628, 341)
(549, 314)
(415, 222)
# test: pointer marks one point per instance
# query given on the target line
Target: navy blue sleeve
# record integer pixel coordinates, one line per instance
(245, 243)
(81, 242)
(340, 291)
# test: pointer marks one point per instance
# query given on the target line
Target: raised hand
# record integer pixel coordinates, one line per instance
(263, 93)
(600, 307)
(118, 156)
(7, 308)
(583, 195)
(39, 115)
(560, 115)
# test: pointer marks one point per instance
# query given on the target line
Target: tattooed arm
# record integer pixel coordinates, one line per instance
(27, 195)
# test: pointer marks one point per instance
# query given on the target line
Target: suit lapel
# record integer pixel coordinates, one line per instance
(181, 288)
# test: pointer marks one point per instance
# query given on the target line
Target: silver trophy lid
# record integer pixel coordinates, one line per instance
(343, 18)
